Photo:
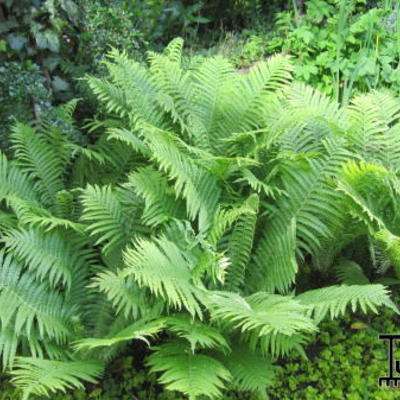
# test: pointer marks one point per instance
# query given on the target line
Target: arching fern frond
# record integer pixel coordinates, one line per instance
(105, 216)
(29, 213)
(211, 86)
(226, 218)
(334, 300)
(113, 98)
(371, 191)
(25, 303)
(266, 313)
(310, 213)
(278, 345)
(161, 266)
(35, 156)
(196, 185)
(14, 182)
(373, 131)
(123, 292)
(160, 202)
(35, 376)
(49, 256)
(350, 273)
(240, 245)
(199, 335)
(254, 90)
(194, 375)
(250, 371)
(389, 246)
(140, 330)
(173, 51)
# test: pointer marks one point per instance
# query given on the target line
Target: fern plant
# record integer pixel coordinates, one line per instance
(186, 223)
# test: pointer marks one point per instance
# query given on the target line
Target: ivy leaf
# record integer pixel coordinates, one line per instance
(70, 8)
(52, 62)
(7, 25)
(59, 85)
(48, 40)
(16, 42)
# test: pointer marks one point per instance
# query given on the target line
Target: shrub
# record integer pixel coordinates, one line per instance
(188, 220)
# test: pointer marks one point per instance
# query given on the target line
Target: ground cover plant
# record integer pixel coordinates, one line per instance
(344, 361)
(203, 196)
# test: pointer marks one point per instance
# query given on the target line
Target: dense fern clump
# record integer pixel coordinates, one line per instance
(187, 221)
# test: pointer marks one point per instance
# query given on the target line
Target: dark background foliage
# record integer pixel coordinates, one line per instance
(47, 45)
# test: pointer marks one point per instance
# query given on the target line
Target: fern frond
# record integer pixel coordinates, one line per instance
(67, 110)
(30, 214)
(40, 377)
(140, 330)
(199, 335)
(128, 137)
(254, 90)
(8, 347)
(162, 267)
(195, 184)
(279, 345)
(304, 103)
(194, 375)
(225, 218)
(105, 216)
(124, 294)
(350, 273)
(14, 182)
(210, 89)
(50, 256)
(173, 51)
(389, 245)
(370, 189)
(129, 92)
(7, 221)
(309, 214)
(334, 300)
(38, 159)
(25, 303)
(373, 132)
(250, 371)
(258, 185)
(240, 245)
(276, 253)
(113, 98)
(266, 313)
(160, 202)
(173, 89)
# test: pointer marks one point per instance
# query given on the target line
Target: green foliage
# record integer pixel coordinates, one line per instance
(45, 21)
(185, 223)
(339, 46)
(35, 34)
(187, 372)
(20, 86)
(345, 362)
(43, 377)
